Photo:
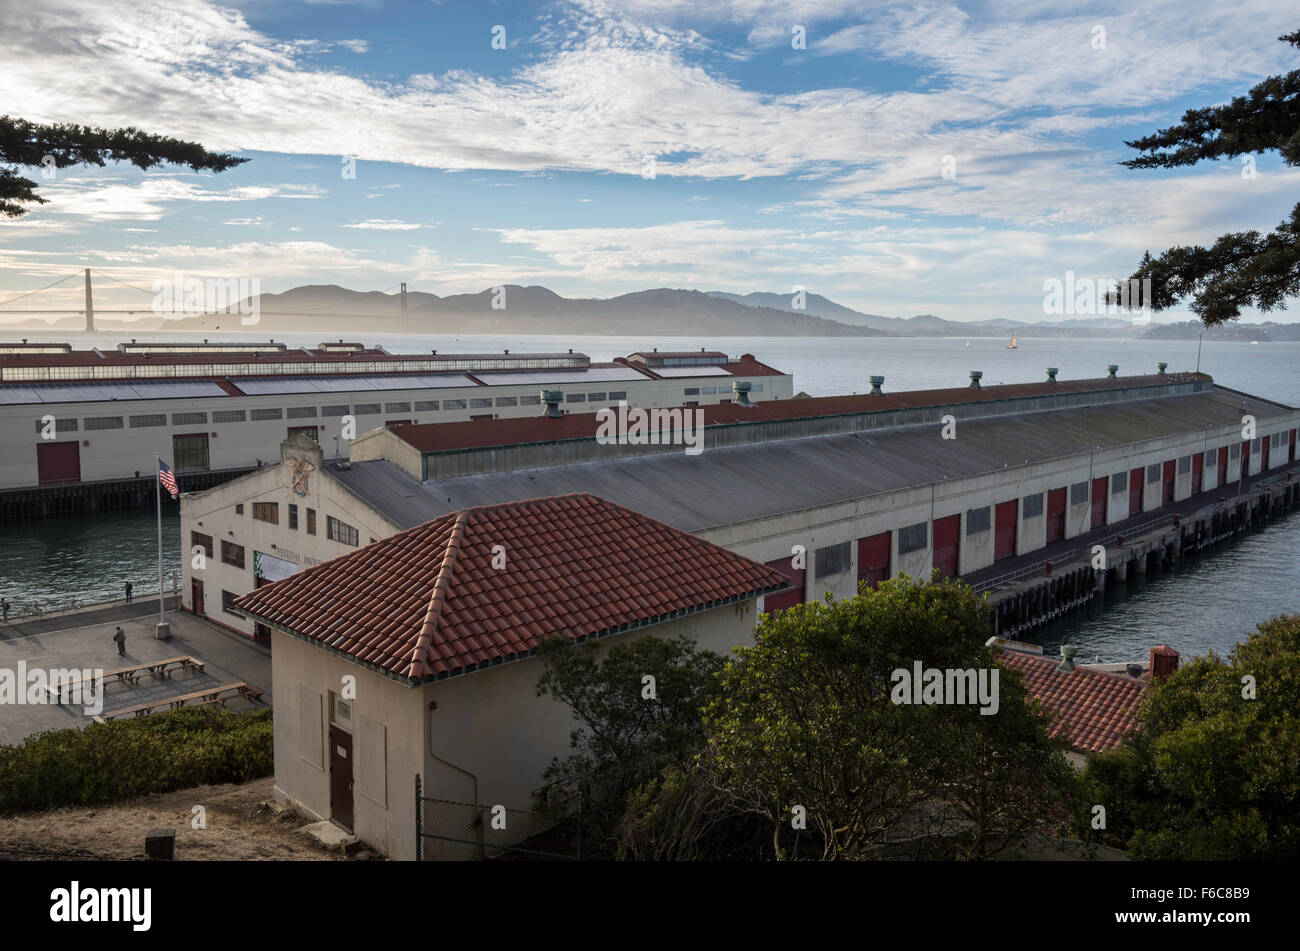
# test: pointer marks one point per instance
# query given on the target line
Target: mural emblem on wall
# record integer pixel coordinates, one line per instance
(302, 470)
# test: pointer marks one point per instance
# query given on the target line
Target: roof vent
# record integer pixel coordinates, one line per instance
(1068, 653)
(1160, 368)
(1134, 670)
(975, 379)
(1112, 371)
(553, 399)
(876, 383)
(741, 389)
(1051, 374)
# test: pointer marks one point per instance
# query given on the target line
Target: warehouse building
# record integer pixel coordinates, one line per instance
(829, 491)
(72, 418)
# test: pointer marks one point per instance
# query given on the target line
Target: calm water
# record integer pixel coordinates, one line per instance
(1207, 604)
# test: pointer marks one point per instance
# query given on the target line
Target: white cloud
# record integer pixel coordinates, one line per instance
(384, 224)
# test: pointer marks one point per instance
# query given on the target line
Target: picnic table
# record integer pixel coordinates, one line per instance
(208, 695)
(130, 675)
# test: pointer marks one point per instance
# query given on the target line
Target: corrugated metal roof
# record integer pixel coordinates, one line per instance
(723, 486)
(92, 392)
(259, 386)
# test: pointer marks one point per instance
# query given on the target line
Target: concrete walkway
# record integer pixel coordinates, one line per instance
(84, 639)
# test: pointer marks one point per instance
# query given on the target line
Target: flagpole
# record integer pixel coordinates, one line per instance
(158, 494)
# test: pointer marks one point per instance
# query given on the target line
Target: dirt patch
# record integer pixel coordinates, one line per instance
(240, 827)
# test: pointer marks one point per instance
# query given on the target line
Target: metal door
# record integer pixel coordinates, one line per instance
(947, 545)
(1004, 531)
(341, 777)
(196, 596)
(1100, 492)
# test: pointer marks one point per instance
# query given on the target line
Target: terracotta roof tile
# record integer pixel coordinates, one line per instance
(1094, 708)
(427, 603)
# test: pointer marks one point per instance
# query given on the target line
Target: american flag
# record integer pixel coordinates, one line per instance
(168, 478)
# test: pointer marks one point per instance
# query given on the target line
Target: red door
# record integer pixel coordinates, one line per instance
(196, 596)
(58, 462)
(1100, 491)
(1198, 472)
(341, 777)
(1055, 515)
(1167, 489)
(1223, 466)
(1290, 455)
(1004, 529)
(947, 545)
(1264, 460)
(1245, 460)
(1135, 484)
(786, 599)
(873, 558)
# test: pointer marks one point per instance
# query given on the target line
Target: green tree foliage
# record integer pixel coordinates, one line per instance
(109, 762)
(1211, 773)
(26, 144)
(805, 718)
(625, 735)
(1243, 269)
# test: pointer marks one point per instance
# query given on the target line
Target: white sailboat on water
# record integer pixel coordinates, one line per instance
(1012, 344)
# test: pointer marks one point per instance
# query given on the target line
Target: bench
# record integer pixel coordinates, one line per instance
(217, 694)
(129, 675)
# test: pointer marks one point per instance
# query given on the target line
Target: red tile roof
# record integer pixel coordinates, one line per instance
(479, 434)
(427, 603)
(1093, 708)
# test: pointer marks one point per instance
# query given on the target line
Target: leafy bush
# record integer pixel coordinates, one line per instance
(109, 762)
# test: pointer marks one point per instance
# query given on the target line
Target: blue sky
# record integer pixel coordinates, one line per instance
(773, 166)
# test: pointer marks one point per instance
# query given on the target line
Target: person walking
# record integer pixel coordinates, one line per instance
(128, 592)
(119, 637)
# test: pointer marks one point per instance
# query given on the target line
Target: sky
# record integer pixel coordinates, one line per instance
(923, 157)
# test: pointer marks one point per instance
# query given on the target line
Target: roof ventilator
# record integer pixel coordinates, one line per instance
(553, 399)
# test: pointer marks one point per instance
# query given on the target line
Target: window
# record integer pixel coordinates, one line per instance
(308, 431)
(480, 402)
(575, 398)
(616, 395)
(341, 531)
(189, 419)
(1212, 457)
(239, 509)
(103, 422)
(150, 419)
(1118, 482)
(1078, 493)
(267, 512)
(507, 401)
(311, 521)
(1153, 473)
(832, 560)
(366, 409)
(199, 540)
(709, 390)
(266, 414)
(60, 425)
(756, 388)
(1254, 447)
(1031, 506)
(530, 401)
(453, 404)
(1184, 465)
(397, 407)
(228, 603)
(913, 538)
(335, 410)
(977, 520)
(1234, 452)
(190, 452)
(232, 554)
(425, 405)
(595, 397)
(293, 517)
(302, 412)
(228, 416)
(692, 391)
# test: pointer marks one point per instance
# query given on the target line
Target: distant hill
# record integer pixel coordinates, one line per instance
(1267, 332)
(515, 309)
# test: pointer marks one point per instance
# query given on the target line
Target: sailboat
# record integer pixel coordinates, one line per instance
(1012, 344)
